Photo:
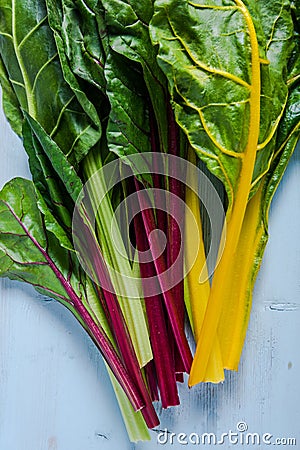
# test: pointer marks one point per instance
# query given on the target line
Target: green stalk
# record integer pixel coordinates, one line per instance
(132, 308)
(134, 422)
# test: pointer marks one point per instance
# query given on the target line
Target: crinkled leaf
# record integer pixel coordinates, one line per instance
(76, 28)
(288, 129)
(39, 81)
(127, 25)
(65, 24)
(128, 128)
(46, 180)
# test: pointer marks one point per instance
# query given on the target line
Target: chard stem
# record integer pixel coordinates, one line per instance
(160, 266)
(96, 331)
(236, 216)
(118, 323)
(238, 294)
(199, 291)
(163, 359)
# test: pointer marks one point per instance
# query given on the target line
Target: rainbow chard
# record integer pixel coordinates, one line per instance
(154, 89)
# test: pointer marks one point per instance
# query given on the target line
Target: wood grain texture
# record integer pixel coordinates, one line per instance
(54, 390)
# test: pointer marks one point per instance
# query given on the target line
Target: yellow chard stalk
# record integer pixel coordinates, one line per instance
(199, 290)
(235, 218)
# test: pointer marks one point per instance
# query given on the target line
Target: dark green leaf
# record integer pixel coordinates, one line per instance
(59, 161)
(30, 57)
(46, 180)
(10, 102)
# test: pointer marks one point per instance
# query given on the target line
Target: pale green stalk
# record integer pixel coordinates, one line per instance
(134, 422)
(132, 308)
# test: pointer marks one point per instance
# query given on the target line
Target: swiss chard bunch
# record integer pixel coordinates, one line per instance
(122, 108)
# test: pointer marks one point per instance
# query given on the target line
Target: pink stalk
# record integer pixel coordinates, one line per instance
(118, 324)
(95, 330)
(176, 227)
(151, 378)
(176, 323)
(179, 377)
(164, 363)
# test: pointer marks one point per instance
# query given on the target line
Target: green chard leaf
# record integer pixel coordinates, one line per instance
(52, 173)
(128, 30)
(287, 136)
(59, 160)
(77, 36)
(46, 180)
(71, 49)
(136, 87)
(128, 129)
(38, 82)
(205, 50)
(34, 247)
(254, 235)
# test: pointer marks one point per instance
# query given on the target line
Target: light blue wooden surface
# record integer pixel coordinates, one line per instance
(54, 390)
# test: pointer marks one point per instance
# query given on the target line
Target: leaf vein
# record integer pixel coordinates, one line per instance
(205, 67)
(54, 130)
(49, 61)
(35, 28)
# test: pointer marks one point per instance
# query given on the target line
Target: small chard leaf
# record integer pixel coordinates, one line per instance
(59, 161)
(39, 81)
(287, 138)
(278, 46)
(34, 248)
(239, 146)
(46, 180)
(128, 35)
(52, 225)
(58, 24)
(128, 126)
